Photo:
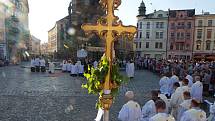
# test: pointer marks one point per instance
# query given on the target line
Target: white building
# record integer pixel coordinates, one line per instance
(2, 31)
(35, 45)
(151, 38)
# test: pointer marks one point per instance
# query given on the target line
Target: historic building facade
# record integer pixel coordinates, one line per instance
(151, 37)
(2, 31)
(16, 33)
(181, 26)
(204, 42)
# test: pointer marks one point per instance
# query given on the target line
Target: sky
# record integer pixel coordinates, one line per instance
(44, 13)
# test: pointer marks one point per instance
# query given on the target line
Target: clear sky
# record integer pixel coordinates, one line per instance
(44, 13)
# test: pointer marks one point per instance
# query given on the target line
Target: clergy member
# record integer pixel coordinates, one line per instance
(173, 79)
(51, 67)
(164, 98)
(130, 111)
(32, 65)
(43, 65)
(64, 66)
(197, 89)
(68, 66)
(185, 105)
(149, 109)
(161, 114)
(212, 113)
(195, 113)
(190, 78)
(165, 84)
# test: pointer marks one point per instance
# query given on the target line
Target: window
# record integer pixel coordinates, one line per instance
(210, 22)
(182, 35)
(140, 45)
(177, 46)
(209, 33)
(161, 25)
(181, 46)
(171, 47)
(172, 25)
(182, 25)
(198, 45)
(161, 35)
(147, 35)
(157, 24)
(141, 25)
(137, 25)
(178, 35)
(189, 25)
(199, 34)
(200, 22)
(140, 34)
(172, 35)
(160, 15)
(208, 45)
(148, 25)
(157, 35)
(147, 44)
(136, 44)
(188, 35)
(137, 35)
(161, 45)
(156, 45)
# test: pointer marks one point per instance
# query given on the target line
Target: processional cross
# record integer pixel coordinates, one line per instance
(109, 28)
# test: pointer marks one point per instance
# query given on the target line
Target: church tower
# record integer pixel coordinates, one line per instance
(142, 9)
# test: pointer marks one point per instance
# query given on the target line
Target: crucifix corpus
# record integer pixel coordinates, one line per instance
(109, 28)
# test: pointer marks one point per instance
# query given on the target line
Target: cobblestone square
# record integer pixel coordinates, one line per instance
(27, 96)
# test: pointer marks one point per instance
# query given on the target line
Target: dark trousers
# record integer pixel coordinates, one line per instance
(43, 69)
(37, 69)
(32, 69)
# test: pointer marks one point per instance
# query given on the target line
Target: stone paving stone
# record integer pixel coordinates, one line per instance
(26, 96)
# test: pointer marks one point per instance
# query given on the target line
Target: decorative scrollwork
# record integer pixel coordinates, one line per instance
(104, 3)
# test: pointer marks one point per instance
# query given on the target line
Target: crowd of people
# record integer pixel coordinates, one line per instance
(180, 96)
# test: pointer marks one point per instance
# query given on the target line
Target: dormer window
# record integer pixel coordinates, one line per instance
(160, 15)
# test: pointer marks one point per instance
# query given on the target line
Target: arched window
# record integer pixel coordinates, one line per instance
(160, 15)
(198, 45)
(208, 45)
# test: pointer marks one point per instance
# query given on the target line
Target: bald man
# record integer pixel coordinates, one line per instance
(130, 111)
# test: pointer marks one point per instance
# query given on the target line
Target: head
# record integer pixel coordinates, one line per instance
(185, 82)
(176, 85)
(197, 78)
(154, 95)
(186, 95)
(195, 104)
(129, 95)
(160, 106)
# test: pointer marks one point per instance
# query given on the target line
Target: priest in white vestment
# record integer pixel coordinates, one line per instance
(185, 105)
(161, 114)
(190, 78)
(64, 66)
(130, 70)
(212, 113)
(73, 71)
(173, 79)
(164, 98)
(197, 89)
(68, 67)
(51, 67)
(149, 109)
(165, 84)
(130, 111)
(195, 113)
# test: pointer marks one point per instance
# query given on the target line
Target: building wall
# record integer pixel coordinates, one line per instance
(35, 45)
(180, 43)
(52, 40)
(204, 43)
(2, 31)
(152, 31)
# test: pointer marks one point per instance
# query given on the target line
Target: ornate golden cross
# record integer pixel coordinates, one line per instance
(110, 28)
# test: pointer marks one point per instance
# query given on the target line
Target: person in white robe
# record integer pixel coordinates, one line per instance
(164, 98)
(80, 69)
(165, 84)
(95, 64)
(173, 79)
(43, 65)
(130, 111)
(68, 67)
(190, 78)
(197, 89)
(132, 69)
(185, 105)
(161, 114)
(212, 113)
(176, 98)
(73, 70)
(33, 65)
(51, 67)
(149, 109)
(37, 64)
(64, 66)
(127, 68)
(195, 113)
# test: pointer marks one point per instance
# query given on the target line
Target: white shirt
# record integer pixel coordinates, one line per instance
(74, 69)
(196, 91)
(42, 63)
(173, 79)
(164, 98)
(64, 67)
(68, 66)
(81, 69)
(184, 106)
(32, 63)
(148, 110)
(194, 114)
(131, 111)
(37, 62)
(162, 117)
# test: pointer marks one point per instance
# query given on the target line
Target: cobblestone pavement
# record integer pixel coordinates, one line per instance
(26, 96)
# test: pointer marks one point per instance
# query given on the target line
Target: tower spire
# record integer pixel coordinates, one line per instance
(142, 9)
